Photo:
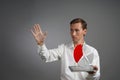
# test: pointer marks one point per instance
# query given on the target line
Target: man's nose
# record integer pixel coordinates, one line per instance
(73, 33)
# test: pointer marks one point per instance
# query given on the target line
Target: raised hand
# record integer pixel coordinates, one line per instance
(38, 34)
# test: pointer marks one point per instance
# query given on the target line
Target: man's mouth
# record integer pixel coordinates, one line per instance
(74, 37)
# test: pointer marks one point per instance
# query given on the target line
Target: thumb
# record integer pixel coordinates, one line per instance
(45, 33)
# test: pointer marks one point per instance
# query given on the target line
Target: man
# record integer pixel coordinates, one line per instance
(64, 52)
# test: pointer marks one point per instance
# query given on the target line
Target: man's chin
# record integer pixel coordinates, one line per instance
(75, 41)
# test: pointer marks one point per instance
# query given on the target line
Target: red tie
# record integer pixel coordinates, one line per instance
(78, 53)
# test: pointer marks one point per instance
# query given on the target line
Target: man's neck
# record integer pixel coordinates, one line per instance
(77, 43)
(81, 41)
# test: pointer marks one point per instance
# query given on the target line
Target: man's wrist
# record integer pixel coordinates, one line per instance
(41, 43)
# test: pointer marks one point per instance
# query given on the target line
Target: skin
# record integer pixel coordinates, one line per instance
(77, 35)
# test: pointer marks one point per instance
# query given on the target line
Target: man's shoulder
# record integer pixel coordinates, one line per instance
(90, 48)
(67, 44)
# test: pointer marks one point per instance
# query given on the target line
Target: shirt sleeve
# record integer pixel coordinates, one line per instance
(51, 54)
(95, 62)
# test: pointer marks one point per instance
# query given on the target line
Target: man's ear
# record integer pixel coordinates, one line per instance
(84, 31)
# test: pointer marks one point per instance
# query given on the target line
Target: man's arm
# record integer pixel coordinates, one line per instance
(46, 55)
(49, 55)
(95, 75)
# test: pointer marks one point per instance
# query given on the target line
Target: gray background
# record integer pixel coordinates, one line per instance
(18, 52)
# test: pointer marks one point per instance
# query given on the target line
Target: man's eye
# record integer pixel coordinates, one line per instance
(71, 30)
(76, 30)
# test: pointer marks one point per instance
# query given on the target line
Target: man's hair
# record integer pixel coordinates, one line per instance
(79, 20)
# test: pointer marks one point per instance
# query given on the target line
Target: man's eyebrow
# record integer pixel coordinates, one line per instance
(76, 29)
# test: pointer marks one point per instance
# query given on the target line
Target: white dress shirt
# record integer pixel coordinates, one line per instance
(64, 53)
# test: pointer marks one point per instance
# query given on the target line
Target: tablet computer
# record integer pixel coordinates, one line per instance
(81, 68)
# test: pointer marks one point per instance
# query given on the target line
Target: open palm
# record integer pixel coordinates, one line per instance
(38, 34)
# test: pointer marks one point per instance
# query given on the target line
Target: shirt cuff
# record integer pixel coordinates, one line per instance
(41, 48)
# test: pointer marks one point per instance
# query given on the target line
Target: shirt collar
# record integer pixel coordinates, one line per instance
(71, 45)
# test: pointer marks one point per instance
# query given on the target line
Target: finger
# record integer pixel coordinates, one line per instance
(35, 29)
(39, 28)
(33, 32)
(37, 25)
(95, 67)
(91, 72)
(45, 33)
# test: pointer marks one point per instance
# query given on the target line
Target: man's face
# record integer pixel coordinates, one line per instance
(77, 33)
